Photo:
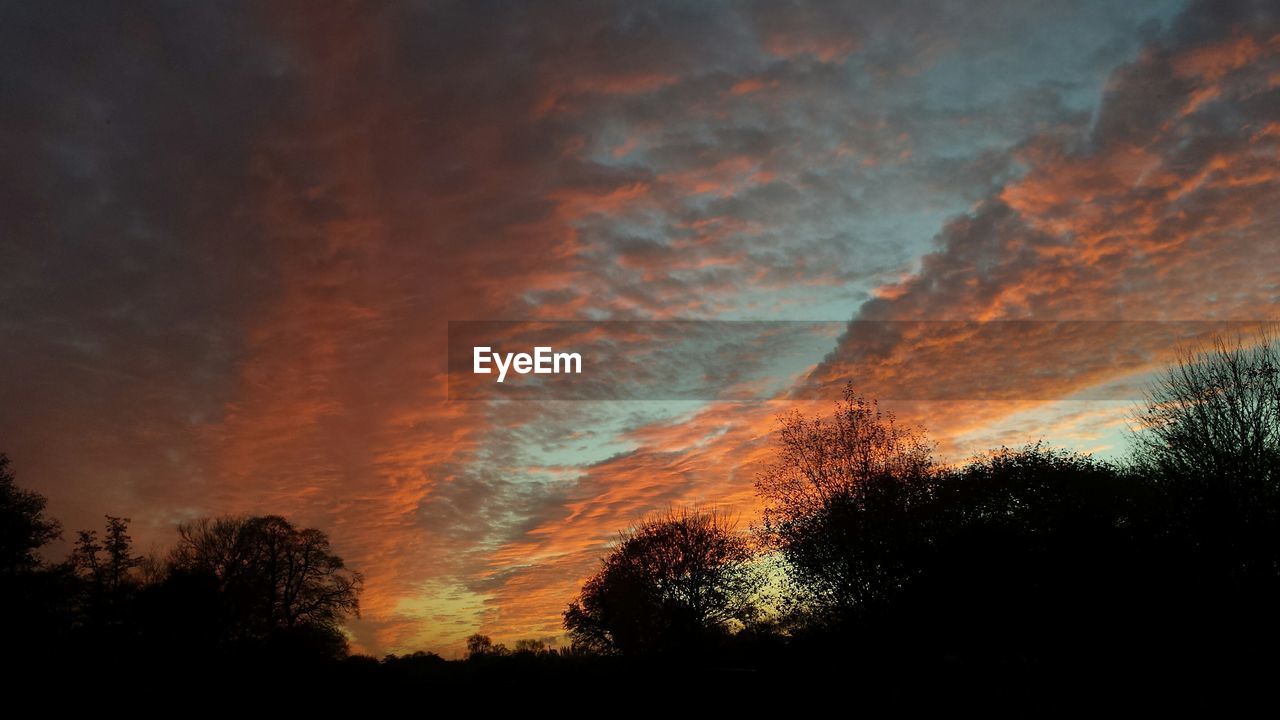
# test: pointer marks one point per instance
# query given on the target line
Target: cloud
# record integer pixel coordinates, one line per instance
(236, 234)
(1160, 213)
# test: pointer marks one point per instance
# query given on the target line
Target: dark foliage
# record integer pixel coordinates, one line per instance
(841, 505)
(1034, 555)
(680, 583)
(267, 582)
(23, 527)
(1209, 437)
(235, 594)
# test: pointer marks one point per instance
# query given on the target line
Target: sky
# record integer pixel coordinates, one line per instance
(235, 234)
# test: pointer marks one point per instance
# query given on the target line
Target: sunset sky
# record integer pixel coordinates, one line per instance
(234, 235)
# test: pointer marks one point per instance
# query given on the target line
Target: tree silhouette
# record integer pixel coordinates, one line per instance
(34, 597)
(23, 527)
(105, 573)
(679, 582)
(118, 546)
(1209, 435)
(1029, 553)
(1215, 415)
(273, 581)
(839, 503)
(530, 646)
(481, 646)
(85, 560)
(105, 564)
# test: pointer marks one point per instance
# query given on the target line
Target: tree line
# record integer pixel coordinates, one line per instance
(870, 556)
(870, 551)
(232, 589)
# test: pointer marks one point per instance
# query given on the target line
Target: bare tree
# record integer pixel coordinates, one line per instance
(823, 458)
(272, 576)
(679, 581)
(839, 489)
(1210, 433)
(1215, 415)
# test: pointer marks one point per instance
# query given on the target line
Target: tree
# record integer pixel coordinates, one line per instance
(119, 548)
(23, 527)
(105, 571)
(838, 504)
(1215, 415)
(85, 561)
(1210, 434)
(106, 564)
(33, 595)
(1030, 552)
(678, 582)
(481, 646)
(530, 646)
(272, 580)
